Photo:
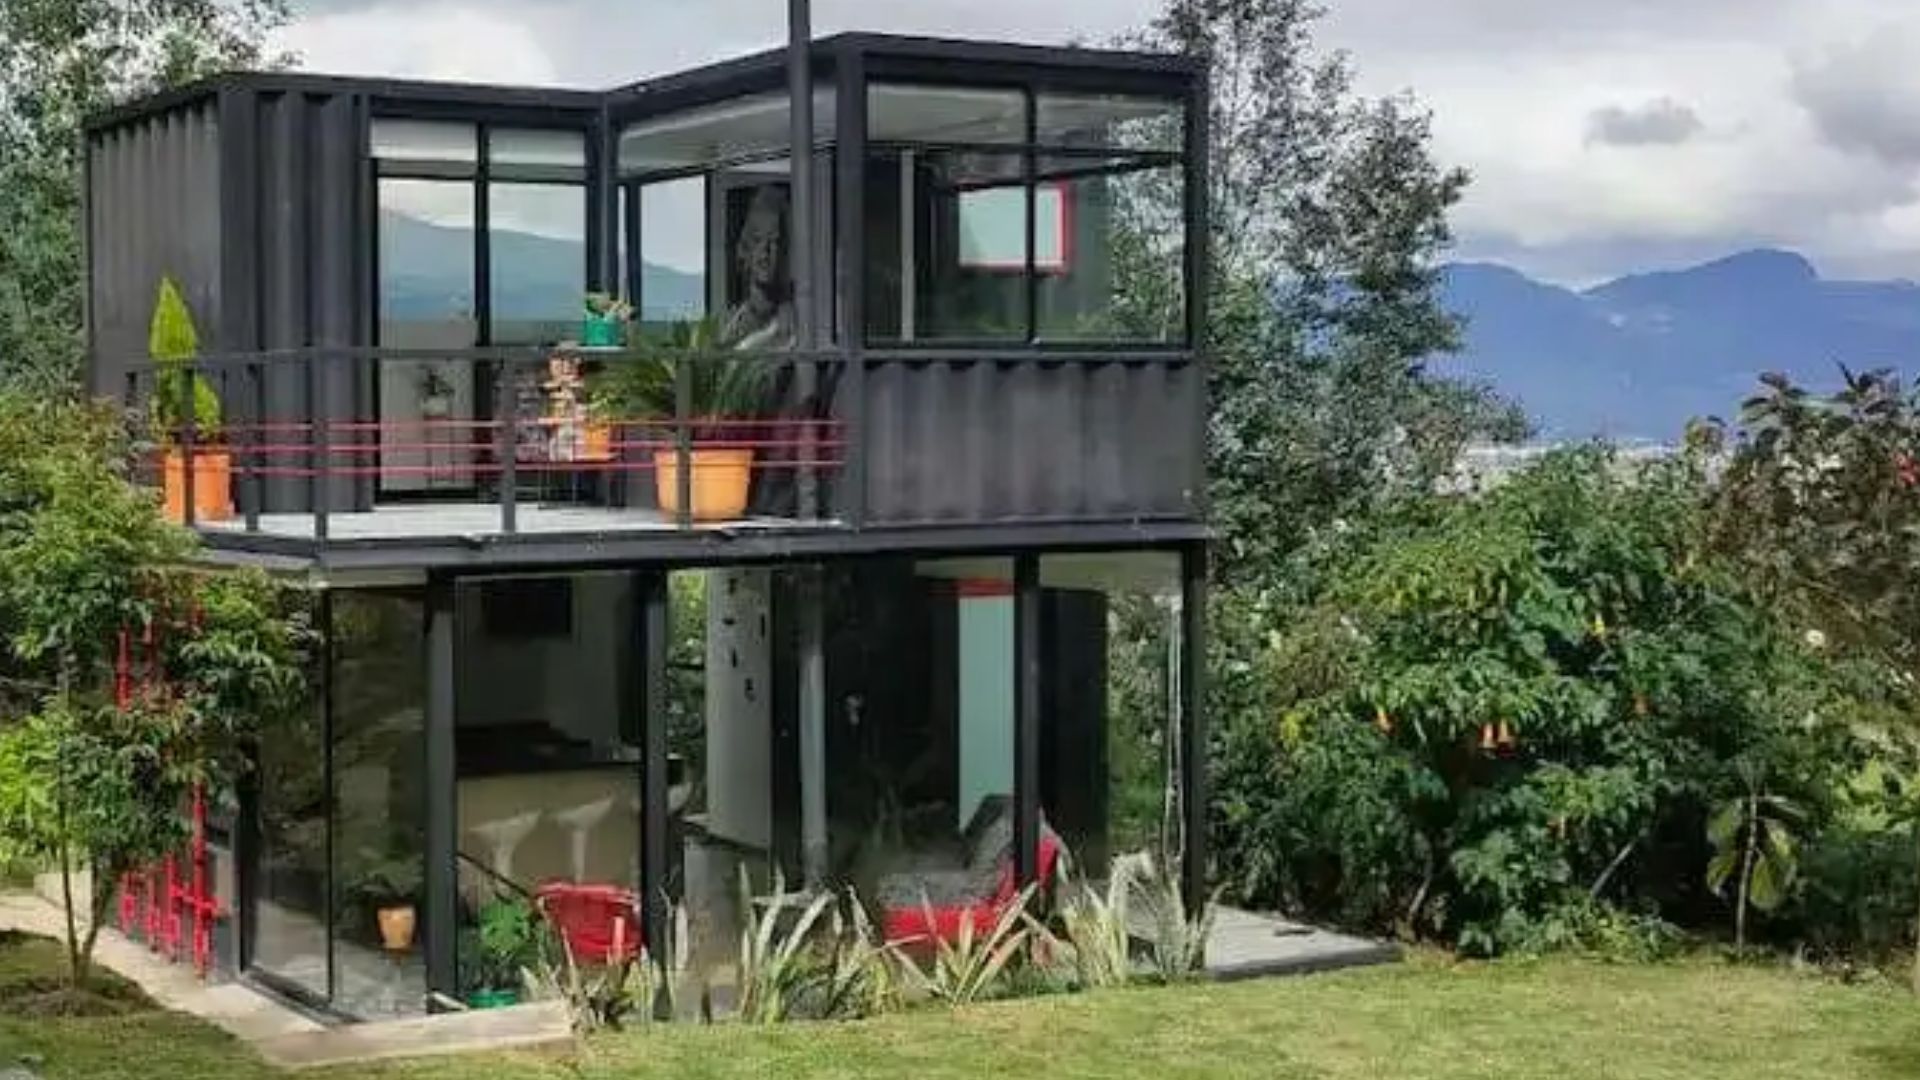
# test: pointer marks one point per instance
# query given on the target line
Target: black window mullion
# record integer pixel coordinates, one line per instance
(483, 246)
(635, 268)
(1030, 165)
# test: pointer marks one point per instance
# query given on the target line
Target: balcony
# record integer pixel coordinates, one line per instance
(519, 455)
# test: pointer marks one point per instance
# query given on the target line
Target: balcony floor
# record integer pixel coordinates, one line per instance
(439, 521)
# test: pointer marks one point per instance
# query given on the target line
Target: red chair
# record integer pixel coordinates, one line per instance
(599, 923)
(945, 922)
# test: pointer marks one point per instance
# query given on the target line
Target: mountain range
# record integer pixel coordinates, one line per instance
(1640, 356)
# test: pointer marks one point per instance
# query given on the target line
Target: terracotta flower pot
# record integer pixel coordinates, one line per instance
(720, 482)
(212, 485)
(596, 443)
(397, 925)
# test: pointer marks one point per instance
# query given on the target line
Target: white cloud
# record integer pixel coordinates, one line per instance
(1806, 109)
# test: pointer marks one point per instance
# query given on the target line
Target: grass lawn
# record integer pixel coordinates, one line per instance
(1561, 1019)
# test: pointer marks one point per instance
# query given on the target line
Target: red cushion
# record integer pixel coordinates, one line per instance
(600, 923)
(919, 923)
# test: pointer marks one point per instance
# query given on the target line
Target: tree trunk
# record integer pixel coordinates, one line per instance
(76, 962)
(1746, 873)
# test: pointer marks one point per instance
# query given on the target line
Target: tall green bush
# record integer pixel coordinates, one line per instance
(1503, 708)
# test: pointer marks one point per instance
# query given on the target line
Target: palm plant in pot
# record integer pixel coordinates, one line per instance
(389, 882)
(180, 393)
(723, 391)
(498, 951)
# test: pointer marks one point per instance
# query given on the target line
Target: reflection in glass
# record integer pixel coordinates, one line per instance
(673, 250)
(947, 246)
(1122, 227)
(426, 302)
(945, 114)
(1111, 122)
(423, 140)
(527, 146)
(538, 254)
(289, 931)
(379, 764)
(749, 127)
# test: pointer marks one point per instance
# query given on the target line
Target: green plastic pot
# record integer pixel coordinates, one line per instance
(599, 333)
(493, 999)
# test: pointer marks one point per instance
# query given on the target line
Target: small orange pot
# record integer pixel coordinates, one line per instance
(720, 482)
(397, 925)
(212, 485)
(596, 443)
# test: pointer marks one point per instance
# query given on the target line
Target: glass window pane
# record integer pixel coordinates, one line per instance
(379, 769)
(426, 301)
(1111, 636)
(538, 251)
(424, 140)
(1118, 231)
(1112, 122)
(289, 906)
(743, 128)
(522, 146)
(947, 246)
(673, 250)
(945, 114)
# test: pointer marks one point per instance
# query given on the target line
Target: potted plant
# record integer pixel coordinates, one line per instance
(606, 322)
(389, 882)
(179, 392)
(723, 389)
(503, 945)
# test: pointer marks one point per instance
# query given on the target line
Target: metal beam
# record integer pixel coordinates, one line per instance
(813, 728)
(442, 873)
(1193, 724)
(1026, 717)
(651, 638)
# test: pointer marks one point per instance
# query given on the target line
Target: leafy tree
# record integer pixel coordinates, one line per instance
(85, 777)
(1497, 712)
(60, 61)
(1821, 503)
(1329, 214)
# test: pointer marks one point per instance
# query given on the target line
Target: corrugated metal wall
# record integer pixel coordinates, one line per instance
(298, 258)
(1032, 439)
(153, 204)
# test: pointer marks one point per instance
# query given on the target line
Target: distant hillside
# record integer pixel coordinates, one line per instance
(538, 275)
(1640, 356)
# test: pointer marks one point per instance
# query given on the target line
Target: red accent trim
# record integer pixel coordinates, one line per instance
(982, 588)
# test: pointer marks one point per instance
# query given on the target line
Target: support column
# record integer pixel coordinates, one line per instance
(651, 640)
(1193, 724)
(442, 876)
(1027, 676)
(814, 854)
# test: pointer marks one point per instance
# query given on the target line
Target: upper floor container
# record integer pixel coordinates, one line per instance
(387, 282)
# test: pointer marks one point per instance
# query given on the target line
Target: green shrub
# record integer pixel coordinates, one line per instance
(1490, 712)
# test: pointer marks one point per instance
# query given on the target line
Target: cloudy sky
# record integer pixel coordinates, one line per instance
(1603, 137)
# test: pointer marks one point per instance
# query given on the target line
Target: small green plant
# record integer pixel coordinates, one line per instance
(720, 385)
(857, 979)
(1098, 936)
(777, 968)
(972, 966)
(1179, 945)
(597, 999)
(172, 344)
(508, 939)
(608, 307)
(1753, 847)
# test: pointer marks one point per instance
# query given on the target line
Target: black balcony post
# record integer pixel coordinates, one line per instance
(319, 486)
(683, 434)
(651, 637)
(258, 439)
(506, 411)
(800, 251)
(850, 132)
(1193, 724)
(442, 839)
(1026, 717)
(188, 430)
